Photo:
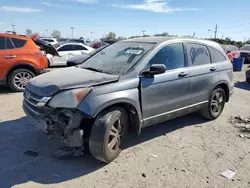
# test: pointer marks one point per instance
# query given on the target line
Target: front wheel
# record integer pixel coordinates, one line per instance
(215, 105)
(107, 134)
(19, 78)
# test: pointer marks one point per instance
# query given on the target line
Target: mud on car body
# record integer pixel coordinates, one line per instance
(129, 85)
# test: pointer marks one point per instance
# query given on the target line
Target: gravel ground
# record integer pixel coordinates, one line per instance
(185, 152)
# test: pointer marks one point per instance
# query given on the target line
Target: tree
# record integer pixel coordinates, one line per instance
(121, 38)
(28, 31)
(56, 34)
(111, 36)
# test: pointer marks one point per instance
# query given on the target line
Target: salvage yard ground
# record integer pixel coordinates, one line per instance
(186, 152)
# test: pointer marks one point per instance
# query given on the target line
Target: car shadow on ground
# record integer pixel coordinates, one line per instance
(5, 90)
(17, 136)
(242, 85)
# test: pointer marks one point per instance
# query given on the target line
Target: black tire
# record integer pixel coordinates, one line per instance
(209, 112)
(12, 83)
(100, 138)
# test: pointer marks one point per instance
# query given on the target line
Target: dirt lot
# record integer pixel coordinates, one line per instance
(186, 152)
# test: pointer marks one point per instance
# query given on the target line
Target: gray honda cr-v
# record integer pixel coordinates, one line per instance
(129, 85)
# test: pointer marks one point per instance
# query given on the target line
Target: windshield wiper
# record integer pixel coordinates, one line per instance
(92, 69)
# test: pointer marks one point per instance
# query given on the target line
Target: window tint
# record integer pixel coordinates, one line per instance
(79, 47)
(216, 55)
(66, 48)
(19, 43)
(172, 56)
(9, 44)
(198, 54)
(2, 43)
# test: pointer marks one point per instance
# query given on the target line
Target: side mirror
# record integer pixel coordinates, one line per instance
(155, 69)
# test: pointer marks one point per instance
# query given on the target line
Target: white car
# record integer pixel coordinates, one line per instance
(66, 51)
(50, 40)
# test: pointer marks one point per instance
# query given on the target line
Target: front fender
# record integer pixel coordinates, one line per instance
(94, 104)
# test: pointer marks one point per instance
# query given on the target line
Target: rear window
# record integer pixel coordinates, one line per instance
(216, 56)
(19, 43)
(9, 44)
(198, 54)
(2, 43)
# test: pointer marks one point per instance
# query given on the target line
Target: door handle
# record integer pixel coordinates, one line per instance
(9, 57)
(182, 74)
(213, 69)
(70, 54)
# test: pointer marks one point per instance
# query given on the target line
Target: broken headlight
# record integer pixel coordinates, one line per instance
(69, 98)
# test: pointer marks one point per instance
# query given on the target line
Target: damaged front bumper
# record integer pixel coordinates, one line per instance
(62, 124)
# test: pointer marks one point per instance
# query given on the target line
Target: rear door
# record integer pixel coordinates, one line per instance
(165, 94)
(80, 50)
(203, 73)
(65, 53)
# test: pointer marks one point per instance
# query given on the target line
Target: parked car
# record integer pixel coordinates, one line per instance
(245, 52)
(129, 85)
(81, 58)
(110, 41)
(49, 40)
(231, 51)
(66, 51)
(97, 45)
(248, 74)
(21, 59)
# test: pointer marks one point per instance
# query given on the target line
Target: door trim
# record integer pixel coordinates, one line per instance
(172, 111)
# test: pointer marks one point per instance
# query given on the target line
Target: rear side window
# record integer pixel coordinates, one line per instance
(2, 43)
(79, 47)
(9, 44)
(198, 54)
(216, 56)
(19, 43)
(66, 48)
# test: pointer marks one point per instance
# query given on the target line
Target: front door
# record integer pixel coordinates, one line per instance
(166, 95)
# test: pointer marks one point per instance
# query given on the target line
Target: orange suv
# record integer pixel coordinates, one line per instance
(22, 58)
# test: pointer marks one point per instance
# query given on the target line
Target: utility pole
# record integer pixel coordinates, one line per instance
(194, 35)
(143, 32)
(13, 27)
(72, 32)
(91, 33)
(215, 32)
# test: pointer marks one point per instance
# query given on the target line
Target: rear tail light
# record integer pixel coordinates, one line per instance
(39, 52)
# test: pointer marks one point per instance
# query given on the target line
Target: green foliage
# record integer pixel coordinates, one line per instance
(228, 41)
(28, 31)
(56, 34)
(111, 36)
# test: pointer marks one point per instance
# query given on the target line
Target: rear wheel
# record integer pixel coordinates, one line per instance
(215, 105)
(19, 78)
(107, 134)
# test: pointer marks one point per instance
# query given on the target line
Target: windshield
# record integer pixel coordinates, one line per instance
(118, 58)
(245, 48)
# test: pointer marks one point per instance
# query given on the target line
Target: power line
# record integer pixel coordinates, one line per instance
(235, 25)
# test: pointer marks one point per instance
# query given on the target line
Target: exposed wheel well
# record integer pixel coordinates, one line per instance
(22, 66)
(226, 89)
(134, 120)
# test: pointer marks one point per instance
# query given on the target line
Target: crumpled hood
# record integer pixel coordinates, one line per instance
(49, 84)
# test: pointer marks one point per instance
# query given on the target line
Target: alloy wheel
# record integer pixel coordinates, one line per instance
(21, 79)
(217, 103)
(115, 136)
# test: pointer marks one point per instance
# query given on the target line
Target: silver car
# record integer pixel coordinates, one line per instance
(127, 86)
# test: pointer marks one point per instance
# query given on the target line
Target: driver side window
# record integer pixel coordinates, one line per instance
(172, 56)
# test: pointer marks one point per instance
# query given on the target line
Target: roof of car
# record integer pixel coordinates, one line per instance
(14, 35)
(159, 40)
